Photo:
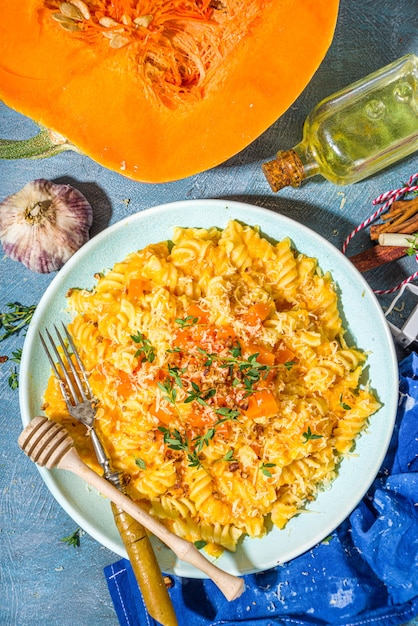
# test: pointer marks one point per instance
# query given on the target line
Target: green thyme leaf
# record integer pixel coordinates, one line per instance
(228, 457)
(145, 349)
(140, 463)
(175, 373)
(193, 459)
(203, 440)
(210, 356)
(167, 387)
(184, 322)
(327, 540)
(74, 539)
(228, 414)
(199, 395)
(265, 469)
(13, 379)
(289, 364)
(344, 405)
(412, 245)
(236, 350)
(309, 435)
(17, 355)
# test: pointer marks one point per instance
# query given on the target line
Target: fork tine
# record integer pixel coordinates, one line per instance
(71, 366)
(71, 392)
(82, 369)
(50, 359)
(67, 387)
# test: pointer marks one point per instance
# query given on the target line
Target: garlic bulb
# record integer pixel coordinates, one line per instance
(43, 224)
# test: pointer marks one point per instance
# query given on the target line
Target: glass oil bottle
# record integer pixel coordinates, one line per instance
(355, 132)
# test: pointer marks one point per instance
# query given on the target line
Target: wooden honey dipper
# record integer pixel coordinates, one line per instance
(49, 445)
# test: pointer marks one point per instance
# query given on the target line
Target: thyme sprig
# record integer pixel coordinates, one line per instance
(229, 414)
(265, 469)
(16, 355)
(185, 322)
(176, 373)
(203, 440)
(243, 371)
(13, 379)
(199, 395)
(12, 322)
(15, 320)
(73, 539)
(169, 390)
(195, 394)
(309, 435)
(145, 348)
(174, 440)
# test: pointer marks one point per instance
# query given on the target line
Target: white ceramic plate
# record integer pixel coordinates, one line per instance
(366, 325)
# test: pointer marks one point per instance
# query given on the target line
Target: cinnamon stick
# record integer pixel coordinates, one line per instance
(376, 256)
(408, 227)
(401, 218)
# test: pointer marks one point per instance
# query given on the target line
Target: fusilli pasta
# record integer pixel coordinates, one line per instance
(227, 392)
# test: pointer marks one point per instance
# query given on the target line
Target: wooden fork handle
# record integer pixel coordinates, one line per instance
(231, 586)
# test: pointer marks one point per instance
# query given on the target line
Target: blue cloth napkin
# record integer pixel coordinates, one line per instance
(365, 573)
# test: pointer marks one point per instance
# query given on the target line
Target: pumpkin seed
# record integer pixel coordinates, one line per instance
(71, 11)
(118, 41)
(109, 34)
(125, 19)
(107, 22)
(71, 28)
(143, 20)
(82, 7)
(65, 22)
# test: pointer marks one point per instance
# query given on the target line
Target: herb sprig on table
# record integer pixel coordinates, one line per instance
(73, 539)
(15, 320)
(12, 322)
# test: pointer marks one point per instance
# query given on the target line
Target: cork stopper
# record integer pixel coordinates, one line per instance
(284, 171)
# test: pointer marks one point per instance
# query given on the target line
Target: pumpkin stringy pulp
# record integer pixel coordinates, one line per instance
(177, 46)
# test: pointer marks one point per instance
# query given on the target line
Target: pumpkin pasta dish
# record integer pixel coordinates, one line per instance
(227, 391)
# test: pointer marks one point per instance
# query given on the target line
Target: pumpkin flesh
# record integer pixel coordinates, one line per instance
(164, 101)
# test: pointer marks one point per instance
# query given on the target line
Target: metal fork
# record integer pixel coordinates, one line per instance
(81, 404)
(78, 395)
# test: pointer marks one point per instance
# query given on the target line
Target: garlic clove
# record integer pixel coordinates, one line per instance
(43, 224)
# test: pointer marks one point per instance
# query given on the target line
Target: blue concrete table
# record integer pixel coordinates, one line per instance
(42, 580)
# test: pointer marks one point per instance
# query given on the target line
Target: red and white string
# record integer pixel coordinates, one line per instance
(386, 199)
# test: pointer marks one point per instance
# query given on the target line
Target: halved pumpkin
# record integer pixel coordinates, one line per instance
(160, 89)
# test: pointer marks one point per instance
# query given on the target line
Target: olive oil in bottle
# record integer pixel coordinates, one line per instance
(355, 132)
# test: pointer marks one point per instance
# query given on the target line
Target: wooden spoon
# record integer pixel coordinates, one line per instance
(49, 445)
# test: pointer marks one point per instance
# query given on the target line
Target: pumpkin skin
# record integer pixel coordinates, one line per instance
(96, 96)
